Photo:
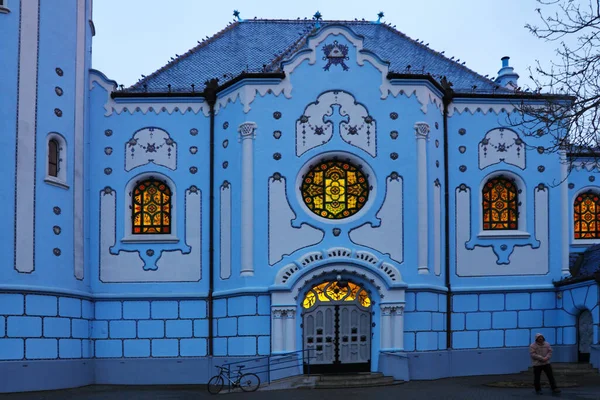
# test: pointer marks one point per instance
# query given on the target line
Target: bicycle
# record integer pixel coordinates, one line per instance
(248, 382)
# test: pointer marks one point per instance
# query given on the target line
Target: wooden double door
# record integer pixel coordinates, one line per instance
(337, 332)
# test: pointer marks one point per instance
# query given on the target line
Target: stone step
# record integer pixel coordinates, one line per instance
(332, 381)
(350, 382)
(572, 365)
(361, 376)
(570, 369)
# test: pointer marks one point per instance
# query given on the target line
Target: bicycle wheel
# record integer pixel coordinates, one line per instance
(215, 384)
(249, 382)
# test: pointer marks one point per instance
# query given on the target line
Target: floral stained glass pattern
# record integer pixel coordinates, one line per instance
(335, 189)
(500, 205)
(586, 216)
(151, 204)
(336, 292)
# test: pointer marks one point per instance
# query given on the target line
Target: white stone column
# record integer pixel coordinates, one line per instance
(290, 330)
(283, 335)
(392, 327)
(247, 135)
(78, 205)
(26, 138)
(277, 332)
(422, 134)
(386, 330)
(398, 327)
(437, 227)
(567, 206)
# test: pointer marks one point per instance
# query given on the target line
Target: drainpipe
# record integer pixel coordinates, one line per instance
(210, 96)
(447, 99)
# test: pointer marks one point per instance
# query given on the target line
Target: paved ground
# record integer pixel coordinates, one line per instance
(453, 388)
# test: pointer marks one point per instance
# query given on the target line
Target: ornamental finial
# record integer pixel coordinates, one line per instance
(318, 17)
(236, 14)
(379, 16)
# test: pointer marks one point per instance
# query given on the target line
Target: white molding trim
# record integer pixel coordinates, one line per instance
(149, 105)
(484, 108)
(78, 145)
(25, 174)
(338, 257)
(422, 130)
(424, 94)
(247, 89)
(247, 132)
(588, 166)
(225, 230)
(437, 228)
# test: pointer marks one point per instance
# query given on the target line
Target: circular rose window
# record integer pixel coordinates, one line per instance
(335, 189)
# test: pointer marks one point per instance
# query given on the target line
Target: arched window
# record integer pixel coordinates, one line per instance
(53, 157)
(151, 207)
(586, 216)
(500, 204)
(336, 292)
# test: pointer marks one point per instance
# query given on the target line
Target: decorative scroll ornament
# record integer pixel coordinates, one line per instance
(336, 111)
(151, 145)
(335, 54)
(501, 145)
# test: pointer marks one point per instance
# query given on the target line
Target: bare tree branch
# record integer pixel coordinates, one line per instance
(575, 26)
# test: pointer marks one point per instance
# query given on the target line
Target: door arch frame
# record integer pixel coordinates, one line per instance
(386, 293)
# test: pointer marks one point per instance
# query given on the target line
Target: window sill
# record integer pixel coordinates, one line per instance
(150, 239)
(51, 180)
(503, 234)
(584, 242)
(4, 10)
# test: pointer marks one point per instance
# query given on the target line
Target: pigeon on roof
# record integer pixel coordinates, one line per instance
(249, 45)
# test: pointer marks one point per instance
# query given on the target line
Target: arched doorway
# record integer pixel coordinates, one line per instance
(336, 325)
(585, 335)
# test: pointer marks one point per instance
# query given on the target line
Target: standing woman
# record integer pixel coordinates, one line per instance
(541, 352)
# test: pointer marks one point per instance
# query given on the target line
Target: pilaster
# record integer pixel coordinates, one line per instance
(247, 135)
(422, 134)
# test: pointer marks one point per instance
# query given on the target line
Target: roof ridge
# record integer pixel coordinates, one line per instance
(139, 84)
(309, 20)
(292, 48)
(437, 53)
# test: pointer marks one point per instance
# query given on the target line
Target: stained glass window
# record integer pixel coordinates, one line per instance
(151, 205)
(586, 216)
(335, 189)
(53, 150)
(500, 204)
(336, 292)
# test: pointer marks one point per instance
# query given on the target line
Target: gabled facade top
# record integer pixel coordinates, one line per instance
(258, 46)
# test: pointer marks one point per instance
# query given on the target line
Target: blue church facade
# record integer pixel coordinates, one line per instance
(357, 197)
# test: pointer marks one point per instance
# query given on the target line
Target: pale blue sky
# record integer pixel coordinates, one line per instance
(135, 37)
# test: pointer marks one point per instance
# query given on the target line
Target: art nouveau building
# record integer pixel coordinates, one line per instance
(328, 186)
